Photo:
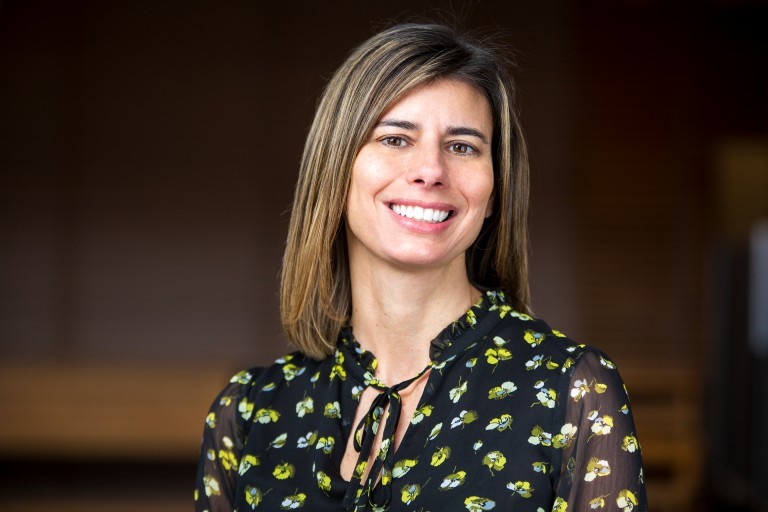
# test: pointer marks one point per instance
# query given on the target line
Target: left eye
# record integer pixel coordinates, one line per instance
(461, 148)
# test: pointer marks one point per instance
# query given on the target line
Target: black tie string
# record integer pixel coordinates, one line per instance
(364, 436)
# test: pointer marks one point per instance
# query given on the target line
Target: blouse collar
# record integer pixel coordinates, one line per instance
(443, 347)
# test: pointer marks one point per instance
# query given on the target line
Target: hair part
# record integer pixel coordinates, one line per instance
(315, 288)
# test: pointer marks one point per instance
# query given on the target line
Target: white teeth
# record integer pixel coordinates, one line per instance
(420, 214)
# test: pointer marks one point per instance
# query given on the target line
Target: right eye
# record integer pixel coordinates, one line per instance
(394, 141)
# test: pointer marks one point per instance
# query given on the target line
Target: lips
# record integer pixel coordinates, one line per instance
(420, 214)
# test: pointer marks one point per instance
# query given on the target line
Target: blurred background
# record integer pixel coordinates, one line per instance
(148, 152)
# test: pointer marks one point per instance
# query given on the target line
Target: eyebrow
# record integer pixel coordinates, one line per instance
(453, 130)
(462, 130)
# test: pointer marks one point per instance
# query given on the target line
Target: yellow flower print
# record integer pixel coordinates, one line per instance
(211, 486)
(360, 469)
(456, 393)
(464, 418)
(535, 362)
(601, 388)
(471, 363)
(598, 502)
(228, 459)
(307, 440)
(409, 493)
(494, 355)
(434, 432)
(325, 444)
(471, 317)
(565, 437)
(440, 455)
(269, 387)
(226, 401)
(253, 496)
(210, 420)
(607, 363)
(558, 333)
(503, 391)
(499, 341)
(504, 310)
(540, 467)
(596, 468)
(383, 450)
(284, 470)
(245, 408)
(601, 425)
(538, 436)
(370, 380)
(521, 316)
(502, 423)
(624, 409)
(439, 366)
(294, 501)
(305, 406)
(357, 392)
(560, 505)
(291, 371)
(332, 410)
(338, 370)
(453, 480)
(626, 500)
(241, 378)
(421, 413)
(247, 463)
(533, 338)
(630, 444)
(521, 488)
(580, 389)
(547, 397)
(323, 481)
(494, 460)
(402, 467)
(478, 444)
(266, 415)
(279, 441)
(476, 503)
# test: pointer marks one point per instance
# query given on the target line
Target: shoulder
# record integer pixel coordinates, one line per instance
(542, 346)
(275, 376)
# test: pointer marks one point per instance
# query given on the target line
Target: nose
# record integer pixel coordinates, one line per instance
(428, 166)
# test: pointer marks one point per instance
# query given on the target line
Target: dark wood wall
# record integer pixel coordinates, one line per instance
(147, 156)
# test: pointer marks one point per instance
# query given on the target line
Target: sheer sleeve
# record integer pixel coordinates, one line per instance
(224, 436)
(602, 465)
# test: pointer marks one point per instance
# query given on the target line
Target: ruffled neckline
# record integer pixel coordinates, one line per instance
(449, 341)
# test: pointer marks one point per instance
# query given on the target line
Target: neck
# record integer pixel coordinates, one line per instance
(397, 313)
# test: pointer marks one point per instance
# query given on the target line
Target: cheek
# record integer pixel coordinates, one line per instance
(482, 193)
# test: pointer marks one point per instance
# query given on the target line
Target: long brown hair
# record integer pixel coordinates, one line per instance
(315, 295)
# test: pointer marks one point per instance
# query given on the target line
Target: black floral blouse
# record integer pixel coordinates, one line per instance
(514, 416)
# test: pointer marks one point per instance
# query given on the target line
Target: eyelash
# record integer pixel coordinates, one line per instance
(402, 142)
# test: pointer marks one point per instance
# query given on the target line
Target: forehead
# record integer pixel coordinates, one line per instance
(446, 100)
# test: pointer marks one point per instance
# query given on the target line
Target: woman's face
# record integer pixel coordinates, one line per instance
(422, 183)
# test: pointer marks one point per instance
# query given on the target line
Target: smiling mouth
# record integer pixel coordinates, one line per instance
(420, 214)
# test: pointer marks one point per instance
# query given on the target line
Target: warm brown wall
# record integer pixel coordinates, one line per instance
(148, 152)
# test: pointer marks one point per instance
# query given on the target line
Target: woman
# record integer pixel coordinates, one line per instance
(421, 382)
